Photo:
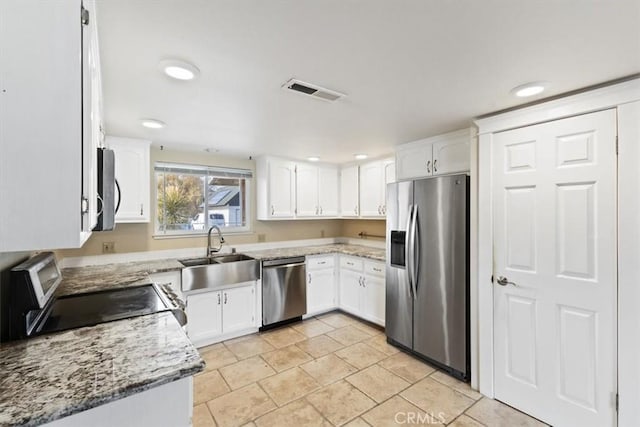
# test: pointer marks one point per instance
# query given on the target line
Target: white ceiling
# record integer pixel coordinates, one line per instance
(411, 69)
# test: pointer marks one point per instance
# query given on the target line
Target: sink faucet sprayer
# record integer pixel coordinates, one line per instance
(211, 250)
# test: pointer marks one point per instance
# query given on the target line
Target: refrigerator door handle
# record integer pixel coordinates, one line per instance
(408, 252)
(415, 252)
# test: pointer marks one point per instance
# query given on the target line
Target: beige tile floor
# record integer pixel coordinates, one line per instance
(333, 370)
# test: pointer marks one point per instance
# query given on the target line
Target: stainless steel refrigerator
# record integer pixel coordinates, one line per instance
(427, 274)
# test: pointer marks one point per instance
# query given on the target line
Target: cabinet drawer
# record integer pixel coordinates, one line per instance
(351, 263)
(374, 268)
(319, 262)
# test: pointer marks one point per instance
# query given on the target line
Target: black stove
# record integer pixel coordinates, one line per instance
(76, 311)
(29, 307)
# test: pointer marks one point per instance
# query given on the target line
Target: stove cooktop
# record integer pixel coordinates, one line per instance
(76, 311)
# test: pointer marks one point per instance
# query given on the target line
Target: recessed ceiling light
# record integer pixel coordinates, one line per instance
(529, 89)
(180, 70)
(313, 158)
(360, 156)
(152, 123)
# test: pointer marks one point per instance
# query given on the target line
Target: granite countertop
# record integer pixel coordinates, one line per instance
(377, 254)
(99, 277)
(52, 376)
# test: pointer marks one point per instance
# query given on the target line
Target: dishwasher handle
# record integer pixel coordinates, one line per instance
(284, 262)
(295, 264)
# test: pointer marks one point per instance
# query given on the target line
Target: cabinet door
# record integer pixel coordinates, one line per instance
(349, 188)
(350, 286)
(451, 156)
(414, 162)
(389, 176)
(132, 173)
(281, 189)
(371, 180)
(320, 290)
(238, 309)
(328, 191)
(306, 190)
(373, 297)
(204, 314)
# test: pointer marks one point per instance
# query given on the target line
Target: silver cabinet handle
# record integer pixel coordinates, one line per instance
(322, 262)
(225, 297)
(379, 270)
(320, 210)
(428, 166)
(218, 299)
(435, 165)
(272, 210)
(141, 209)
(503, 281)
(364, 283)
(317, 210)
(309, 274)
(355, 211)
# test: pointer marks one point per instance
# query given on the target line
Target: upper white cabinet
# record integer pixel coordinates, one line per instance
(328, 189)
(289, 190)
(276, 179)
(132, 174)
(438, 155)
(374, 177)
(349, 189)
(50, 113)
(316, 191)
(292, 190)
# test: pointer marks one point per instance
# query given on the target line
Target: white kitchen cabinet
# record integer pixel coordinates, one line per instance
(238, 309)
(362, 288)
(370, 189)
(204, 317)
(306, 190)
(45, 118)
(350, 289)
(276, 179)
(316, 191)
(214, 316)
(132, 173)
(328, 190)
(439, 155)
(374, 177)
(349, 190)
(321, 284)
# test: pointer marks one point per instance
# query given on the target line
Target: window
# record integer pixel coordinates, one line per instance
(190, 199)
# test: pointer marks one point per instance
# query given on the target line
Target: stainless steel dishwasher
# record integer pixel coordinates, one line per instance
(284, 290)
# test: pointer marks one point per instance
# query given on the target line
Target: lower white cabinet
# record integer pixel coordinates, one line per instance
(238, 309)
(321, 284)
(362, 288)
(217, 315)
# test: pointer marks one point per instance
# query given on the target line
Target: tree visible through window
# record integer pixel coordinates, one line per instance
(193, 198)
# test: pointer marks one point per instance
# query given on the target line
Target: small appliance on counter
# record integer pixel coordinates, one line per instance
(29, 307)
(427, 274)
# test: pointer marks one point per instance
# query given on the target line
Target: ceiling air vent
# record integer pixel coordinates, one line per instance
(312, 90)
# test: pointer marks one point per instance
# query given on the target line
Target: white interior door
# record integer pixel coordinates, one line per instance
(554, 195)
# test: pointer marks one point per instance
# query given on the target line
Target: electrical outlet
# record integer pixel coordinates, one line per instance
(321, 233)
(108, 247)
(262, 237)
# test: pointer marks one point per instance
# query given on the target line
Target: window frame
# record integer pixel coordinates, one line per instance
(209, 172)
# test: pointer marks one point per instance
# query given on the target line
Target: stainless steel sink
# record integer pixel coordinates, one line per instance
(217, 271)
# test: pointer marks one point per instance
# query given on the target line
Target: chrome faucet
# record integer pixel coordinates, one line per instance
(211, 250)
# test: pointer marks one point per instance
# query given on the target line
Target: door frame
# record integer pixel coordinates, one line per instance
(482, 264)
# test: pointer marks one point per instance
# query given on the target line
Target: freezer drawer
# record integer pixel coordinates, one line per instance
(284, 290)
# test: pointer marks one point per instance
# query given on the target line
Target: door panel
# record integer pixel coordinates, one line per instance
(371, 189)
(306, 190)
(238, 309)
(350, 291)
(349, 204)
(555, 238)
(399, 300)
(328, 191)
(281, 188)
(440, 319)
